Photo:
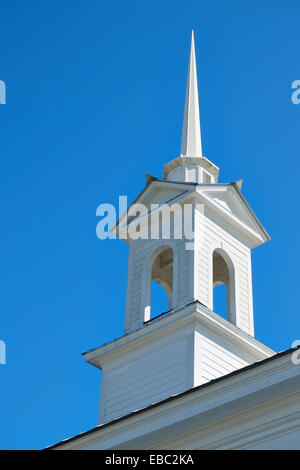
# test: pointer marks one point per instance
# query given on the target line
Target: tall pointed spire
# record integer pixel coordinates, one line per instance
(191, 136)
(191, 165)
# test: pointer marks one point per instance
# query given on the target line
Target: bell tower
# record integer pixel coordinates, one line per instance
(188, 233)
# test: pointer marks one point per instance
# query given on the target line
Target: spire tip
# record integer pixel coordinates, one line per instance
(191, 137)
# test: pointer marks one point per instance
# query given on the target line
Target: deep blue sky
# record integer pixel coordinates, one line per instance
(95, 94)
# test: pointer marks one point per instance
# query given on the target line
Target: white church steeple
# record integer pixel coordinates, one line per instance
(191, 344)
(191, 133)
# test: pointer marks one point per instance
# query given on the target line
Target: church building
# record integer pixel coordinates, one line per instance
(190, 378)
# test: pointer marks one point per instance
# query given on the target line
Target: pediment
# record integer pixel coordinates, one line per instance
(157, 192)
(224, 200)
(229, 201)
(162, 195)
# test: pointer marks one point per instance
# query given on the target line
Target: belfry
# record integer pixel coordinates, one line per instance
(171, 379)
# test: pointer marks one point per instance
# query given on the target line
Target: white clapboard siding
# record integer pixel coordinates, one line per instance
(150, 374)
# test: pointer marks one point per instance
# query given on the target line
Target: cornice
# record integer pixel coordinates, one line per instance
(194, 314)
(203, 162)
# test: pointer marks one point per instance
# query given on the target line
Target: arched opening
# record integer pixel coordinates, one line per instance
(160, 287)
(223, 286)
(159, 300)
(220, 300)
